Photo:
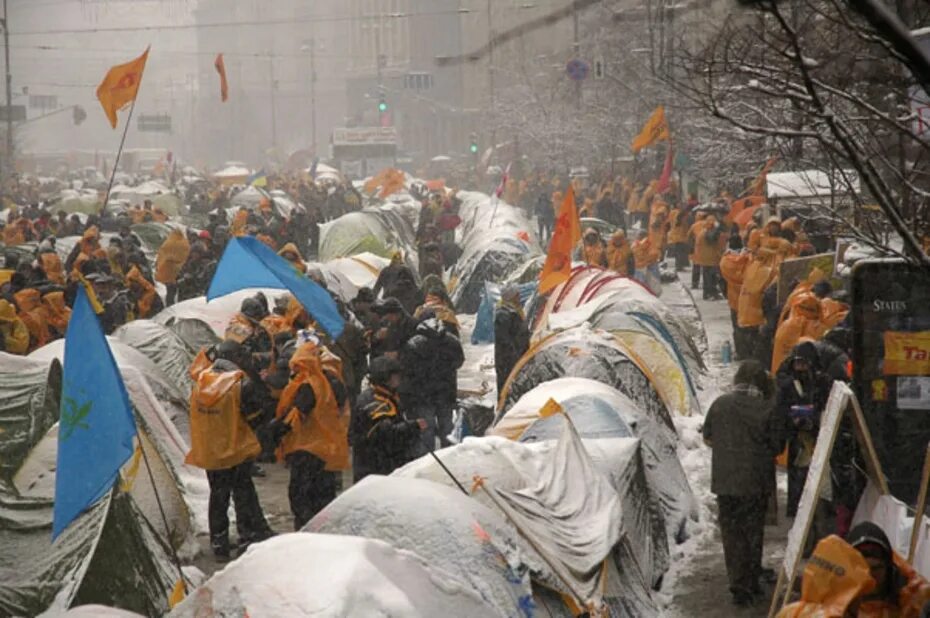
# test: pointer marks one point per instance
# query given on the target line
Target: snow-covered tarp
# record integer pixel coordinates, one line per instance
(332, 576)
(496, 240)
(380, 230)
(452, 532)
(601, 411)
(162, 346)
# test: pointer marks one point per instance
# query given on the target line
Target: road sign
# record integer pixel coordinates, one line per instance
(577, 69)
(154, 123)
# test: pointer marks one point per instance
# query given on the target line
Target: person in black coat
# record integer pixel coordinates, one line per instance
(745, 434)
(382, 438)
(802, 391)
(511, 335)
(396, 280)
(397, 327)
(430, 360)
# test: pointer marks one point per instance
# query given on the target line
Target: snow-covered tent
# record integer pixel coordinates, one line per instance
(380, 230)
(85, 201)
(496, 240)
(110, 555)
(163, 346)
(452, 532)
(251, 198)
(331, 576)
(601, 411)
(233, 174)
(514, 465)
(160, 195)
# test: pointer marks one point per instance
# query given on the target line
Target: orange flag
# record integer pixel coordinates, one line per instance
(567, 234)
(655, 130)
(120, 86)
(221, 69)
(758, 185)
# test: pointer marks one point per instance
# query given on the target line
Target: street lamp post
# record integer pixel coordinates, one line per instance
(7, 165)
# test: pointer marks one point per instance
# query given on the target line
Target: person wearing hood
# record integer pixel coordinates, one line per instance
(397, 280)
(397, 328)
(428, 391)
(313, 428)
(171, 258)
(594, 251)
(804, 322)
(678, 237)
(88, 249)
(33, 314)
(709, 243)
(290, 253)
(511, 334)
(50, 263)
(698, 224)
(57, 313)
(14, 336)
(245, 327)
(620, 255)
(835, 580)
(802, 392)
(899, 590)
(145, 299)
(224, 413)
(745, 434)
(732, 269)
(382, 438)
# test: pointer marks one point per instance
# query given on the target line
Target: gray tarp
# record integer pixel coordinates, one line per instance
(162, 346)
(492, 248)
(585, 400)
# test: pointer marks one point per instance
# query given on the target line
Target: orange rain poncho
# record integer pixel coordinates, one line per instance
(33, 314)
(14, 331)
(804, 321)
(52, 266)
(760, 273)
(171, 257)
(147, 292)
(708, 252)
(645, 254)
(834, 577)
(297, 261)
(619, 253)
(57, 311)
(732, 269)
(220, 437)
(324, 433)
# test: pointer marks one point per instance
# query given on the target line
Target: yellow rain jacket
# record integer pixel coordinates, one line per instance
(57, 312)
(834, 577)
(32, 313)
(171, 257)
(220, 437)
(732, 269)
(805, 321)
(760, 273)
(15, 333)
(52, 266)
(147, 295)
(324, 432)
(619, 253)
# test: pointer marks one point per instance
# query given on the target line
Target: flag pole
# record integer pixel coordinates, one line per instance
(106, 197)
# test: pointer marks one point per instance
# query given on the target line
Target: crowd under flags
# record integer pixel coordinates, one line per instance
(120, 86)
(566, 234)
(220, 66)
(97, 427)
(655, 130)
(249, 263)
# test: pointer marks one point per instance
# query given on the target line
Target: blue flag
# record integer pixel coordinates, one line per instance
(96, 427)
(248, 263)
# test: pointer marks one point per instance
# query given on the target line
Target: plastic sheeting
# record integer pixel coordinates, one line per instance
(379, 230)
(583, 400)
(582, 352)
(496, 240)
(332, 576)
(29, 400)
(514, 465)
(163, 347)
(454, 533)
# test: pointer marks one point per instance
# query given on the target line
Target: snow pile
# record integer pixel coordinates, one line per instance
(324, 575)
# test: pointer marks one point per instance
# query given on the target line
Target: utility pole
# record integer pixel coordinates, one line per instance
(576, 52)
(313, 94)
(8, 165)
(491, 93)
(274, 106)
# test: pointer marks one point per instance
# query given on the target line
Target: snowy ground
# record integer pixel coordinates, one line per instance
(696, 584)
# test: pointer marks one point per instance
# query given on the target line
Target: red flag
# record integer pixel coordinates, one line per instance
(503, 185)
(665, 180)
(221, 69)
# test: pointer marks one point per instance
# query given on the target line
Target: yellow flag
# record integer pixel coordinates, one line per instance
(655, 130)
(550, 408)
(130, 478)
(177, 594)
(120, 86)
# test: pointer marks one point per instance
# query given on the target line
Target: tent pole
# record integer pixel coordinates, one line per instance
(449, 472)
(164, 518)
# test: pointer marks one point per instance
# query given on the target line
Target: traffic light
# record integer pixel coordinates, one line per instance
(382, 105)
(473, 147)
(78, 115)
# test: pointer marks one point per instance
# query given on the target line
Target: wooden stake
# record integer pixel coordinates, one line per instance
(921, 507)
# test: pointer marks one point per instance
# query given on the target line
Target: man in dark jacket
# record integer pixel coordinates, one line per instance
(396, 280)
(511, 336)
(745, 434)
(381, 438)
(397, 327)
(430, 360)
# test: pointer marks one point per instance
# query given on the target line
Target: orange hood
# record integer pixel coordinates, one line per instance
(28, 299)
